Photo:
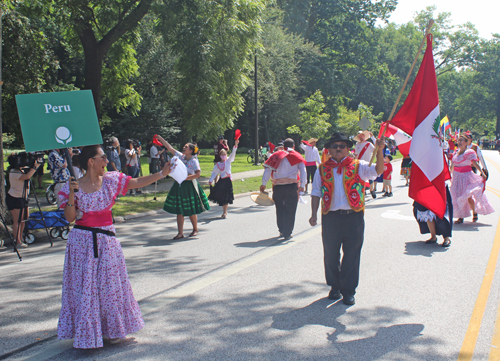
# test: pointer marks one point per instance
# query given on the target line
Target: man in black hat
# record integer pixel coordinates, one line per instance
(340, 183)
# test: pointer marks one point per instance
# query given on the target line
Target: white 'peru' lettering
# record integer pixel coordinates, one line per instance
(57, 108)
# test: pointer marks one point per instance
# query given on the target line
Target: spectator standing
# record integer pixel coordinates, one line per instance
(39, 173)
(113, 155)
(58, 170)
(221, 144)
(132, 156)
(16, 203)
(155, 154)
(387, 176)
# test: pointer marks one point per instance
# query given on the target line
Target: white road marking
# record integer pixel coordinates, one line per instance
(394, 214)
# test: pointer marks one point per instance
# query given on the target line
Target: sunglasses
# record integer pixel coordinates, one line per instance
(338, 146)
(103, 156)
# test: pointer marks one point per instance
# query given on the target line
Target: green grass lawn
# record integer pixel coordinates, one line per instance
(128, 205)
(206, 160)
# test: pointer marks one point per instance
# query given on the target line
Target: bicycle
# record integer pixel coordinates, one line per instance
(251, 157)
(50, 195)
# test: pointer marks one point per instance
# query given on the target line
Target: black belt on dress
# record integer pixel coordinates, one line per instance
(94, 235)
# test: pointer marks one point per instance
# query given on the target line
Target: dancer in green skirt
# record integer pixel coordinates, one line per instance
(187, 198)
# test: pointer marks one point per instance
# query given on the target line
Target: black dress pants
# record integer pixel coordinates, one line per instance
(347, 231)
(285, 199)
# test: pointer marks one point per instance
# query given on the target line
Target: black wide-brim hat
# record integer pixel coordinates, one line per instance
(338, 137)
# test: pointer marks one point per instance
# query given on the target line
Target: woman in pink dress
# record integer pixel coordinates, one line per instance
(97, 298)
(467, 188)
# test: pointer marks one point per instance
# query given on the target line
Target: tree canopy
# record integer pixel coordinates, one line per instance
(184, 68)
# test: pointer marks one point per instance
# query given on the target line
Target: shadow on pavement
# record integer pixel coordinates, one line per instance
(262, 243)
(385, 205)
(470, 226)
(325, 313)
(264, 325)
(420, 248)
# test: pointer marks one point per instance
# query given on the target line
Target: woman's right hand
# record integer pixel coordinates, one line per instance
(160, 139)
(73, 185)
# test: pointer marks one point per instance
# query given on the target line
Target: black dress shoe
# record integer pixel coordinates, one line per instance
(348, 300)
(334, 294)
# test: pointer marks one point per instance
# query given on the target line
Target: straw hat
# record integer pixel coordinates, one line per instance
(365, 132)
(262, 198)
(312, 140)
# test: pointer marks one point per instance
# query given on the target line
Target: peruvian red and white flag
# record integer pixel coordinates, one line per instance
(402, 139)
(419, 117)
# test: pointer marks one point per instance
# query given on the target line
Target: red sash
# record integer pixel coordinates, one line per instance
(363, 150)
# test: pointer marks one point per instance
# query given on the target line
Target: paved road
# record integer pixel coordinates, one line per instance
(236, 292)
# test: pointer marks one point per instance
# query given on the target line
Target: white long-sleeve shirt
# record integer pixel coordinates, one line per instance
(367, 156)
(312, 154)
(285, 170)
(479, 156)
(223, 168)
(339, 199)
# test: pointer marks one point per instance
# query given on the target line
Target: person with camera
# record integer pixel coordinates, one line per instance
(17, 196)
(133, 163)
(113, 154)
(97, 298)
(220, 145)
(59, 169)
(39, 172)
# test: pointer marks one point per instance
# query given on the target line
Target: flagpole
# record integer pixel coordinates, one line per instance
(444, 130)
(427, 32)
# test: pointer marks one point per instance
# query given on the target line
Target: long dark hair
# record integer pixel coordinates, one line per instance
(192, 147)
(88, 152)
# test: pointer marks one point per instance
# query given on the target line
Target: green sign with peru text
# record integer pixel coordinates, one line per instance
(58, 120)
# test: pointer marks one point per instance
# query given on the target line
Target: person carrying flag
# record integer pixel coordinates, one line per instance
(340, 184)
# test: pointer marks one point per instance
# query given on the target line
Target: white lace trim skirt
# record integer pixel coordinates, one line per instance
(425, 216)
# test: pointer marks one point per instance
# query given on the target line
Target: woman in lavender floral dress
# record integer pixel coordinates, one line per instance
(467, 188)
(97, 298)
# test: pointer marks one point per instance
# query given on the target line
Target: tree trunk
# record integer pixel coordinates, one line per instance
(3, 207)
(93, 76)
(95, 51)
(94, 58)
(498, 115)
